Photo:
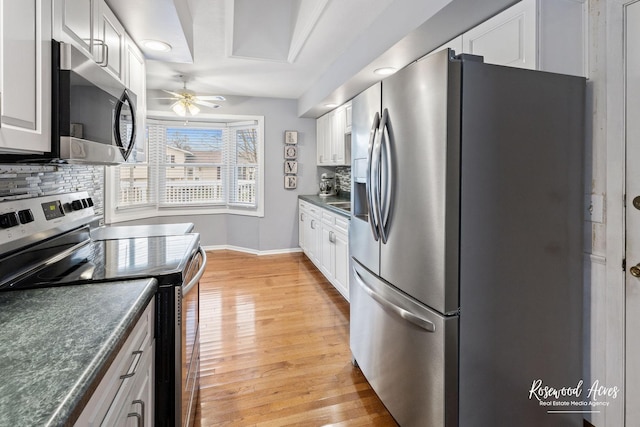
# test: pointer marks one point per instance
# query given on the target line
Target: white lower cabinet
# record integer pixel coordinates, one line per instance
(324, 238)
(125, 396)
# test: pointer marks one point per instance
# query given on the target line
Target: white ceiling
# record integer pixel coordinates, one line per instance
(315, 51)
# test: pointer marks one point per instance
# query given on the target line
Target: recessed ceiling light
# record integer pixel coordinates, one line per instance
(331, 105)
(156, 45)
(385, 71)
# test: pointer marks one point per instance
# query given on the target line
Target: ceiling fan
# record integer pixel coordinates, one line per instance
(186, 101)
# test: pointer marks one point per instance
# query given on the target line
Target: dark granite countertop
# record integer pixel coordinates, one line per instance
(57, 343)
(323, 202)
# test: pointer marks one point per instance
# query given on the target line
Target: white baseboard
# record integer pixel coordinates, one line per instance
(251, 251)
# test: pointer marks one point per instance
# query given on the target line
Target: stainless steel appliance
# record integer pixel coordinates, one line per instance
(46, 241)
(93, 113)
(327, 185)
(466, 241)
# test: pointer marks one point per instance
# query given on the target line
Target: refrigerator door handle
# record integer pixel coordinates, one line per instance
(404, 314)
(369, 190)
(384, 206)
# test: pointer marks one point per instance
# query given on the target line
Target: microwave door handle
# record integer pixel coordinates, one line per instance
(369, 189)
(421, 322)
(125, 150)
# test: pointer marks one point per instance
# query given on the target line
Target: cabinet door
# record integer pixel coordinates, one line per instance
(135, 80)
(314, 244)
(108, 42)
(339, 123)
(73, 21)
(25, 76)
(327, 252)
(341, 275)
(323, 139)
(302, 215)
(348, 114)
(508, 38)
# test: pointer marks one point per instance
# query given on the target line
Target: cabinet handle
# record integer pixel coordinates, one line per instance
(104, 59)
(0, 109)
(302, 216)
(136, 354)
(332, 237)
(139, 417)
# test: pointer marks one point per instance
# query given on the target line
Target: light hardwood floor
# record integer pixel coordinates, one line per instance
(275, 347)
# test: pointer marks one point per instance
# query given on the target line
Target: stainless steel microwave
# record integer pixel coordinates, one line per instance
(92, 116)
(93, 112)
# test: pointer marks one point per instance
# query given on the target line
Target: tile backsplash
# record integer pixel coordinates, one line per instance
(343, 178)
(27, 181)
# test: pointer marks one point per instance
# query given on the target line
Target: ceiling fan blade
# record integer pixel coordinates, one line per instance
(173, 98)
(211, 97)
(206, 104)
(173, 93)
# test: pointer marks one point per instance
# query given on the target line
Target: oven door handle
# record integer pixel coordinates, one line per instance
(198, 275)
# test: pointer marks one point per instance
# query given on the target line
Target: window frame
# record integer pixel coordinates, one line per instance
(113, 214)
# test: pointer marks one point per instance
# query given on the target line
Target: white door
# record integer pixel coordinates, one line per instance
(632, 279)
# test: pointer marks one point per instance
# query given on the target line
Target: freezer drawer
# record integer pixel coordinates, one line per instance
(407, 352)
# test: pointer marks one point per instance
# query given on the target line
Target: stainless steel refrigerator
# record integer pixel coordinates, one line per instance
(466, 241)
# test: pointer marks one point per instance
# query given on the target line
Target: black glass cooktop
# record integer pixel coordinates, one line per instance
(164, 257)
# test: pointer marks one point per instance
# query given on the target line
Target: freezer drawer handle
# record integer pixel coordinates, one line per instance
(406, 315)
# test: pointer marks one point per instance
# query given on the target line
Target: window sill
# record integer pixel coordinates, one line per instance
(132, 214)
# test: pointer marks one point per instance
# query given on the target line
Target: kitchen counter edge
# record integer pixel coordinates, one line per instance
(322, 202)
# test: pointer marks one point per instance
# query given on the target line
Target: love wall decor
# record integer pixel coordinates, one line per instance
(290, 162)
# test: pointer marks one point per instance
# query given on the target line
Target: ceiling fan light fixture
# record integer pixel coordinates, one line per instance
(179, 108)
(156, 45)
(193, 109)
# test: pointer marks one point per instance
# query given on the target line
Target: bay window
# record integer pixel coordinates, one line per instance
(192, 167)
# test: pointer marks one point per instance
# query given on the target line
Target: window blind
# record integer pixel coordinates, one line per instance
(199, 164)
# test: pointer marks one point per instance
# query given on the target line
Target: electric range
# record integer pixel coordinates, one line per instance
(47, 242)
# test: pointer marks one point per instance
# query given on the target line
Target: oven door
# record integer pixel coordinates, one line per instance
(188, 359)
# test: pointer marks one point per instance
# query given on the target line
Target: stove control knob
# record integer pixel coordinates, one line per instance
(76, 205)
(8, 220)
(26, 216)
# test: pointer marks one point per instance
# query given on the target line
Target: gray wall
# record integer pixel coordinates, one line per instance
(278, 229)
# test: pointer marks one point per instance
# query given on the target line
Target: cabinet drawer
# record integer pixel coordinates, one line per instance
(121, 375)
(342, 224)
(328, 218)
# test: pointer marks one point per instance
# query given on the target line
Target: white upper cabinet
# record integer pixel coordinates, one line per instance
(73, 22)
(333, 137)
(135, 80)
(546, 35)
(506, 39)
(25, 76)
(91, 26)
(108, 41)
